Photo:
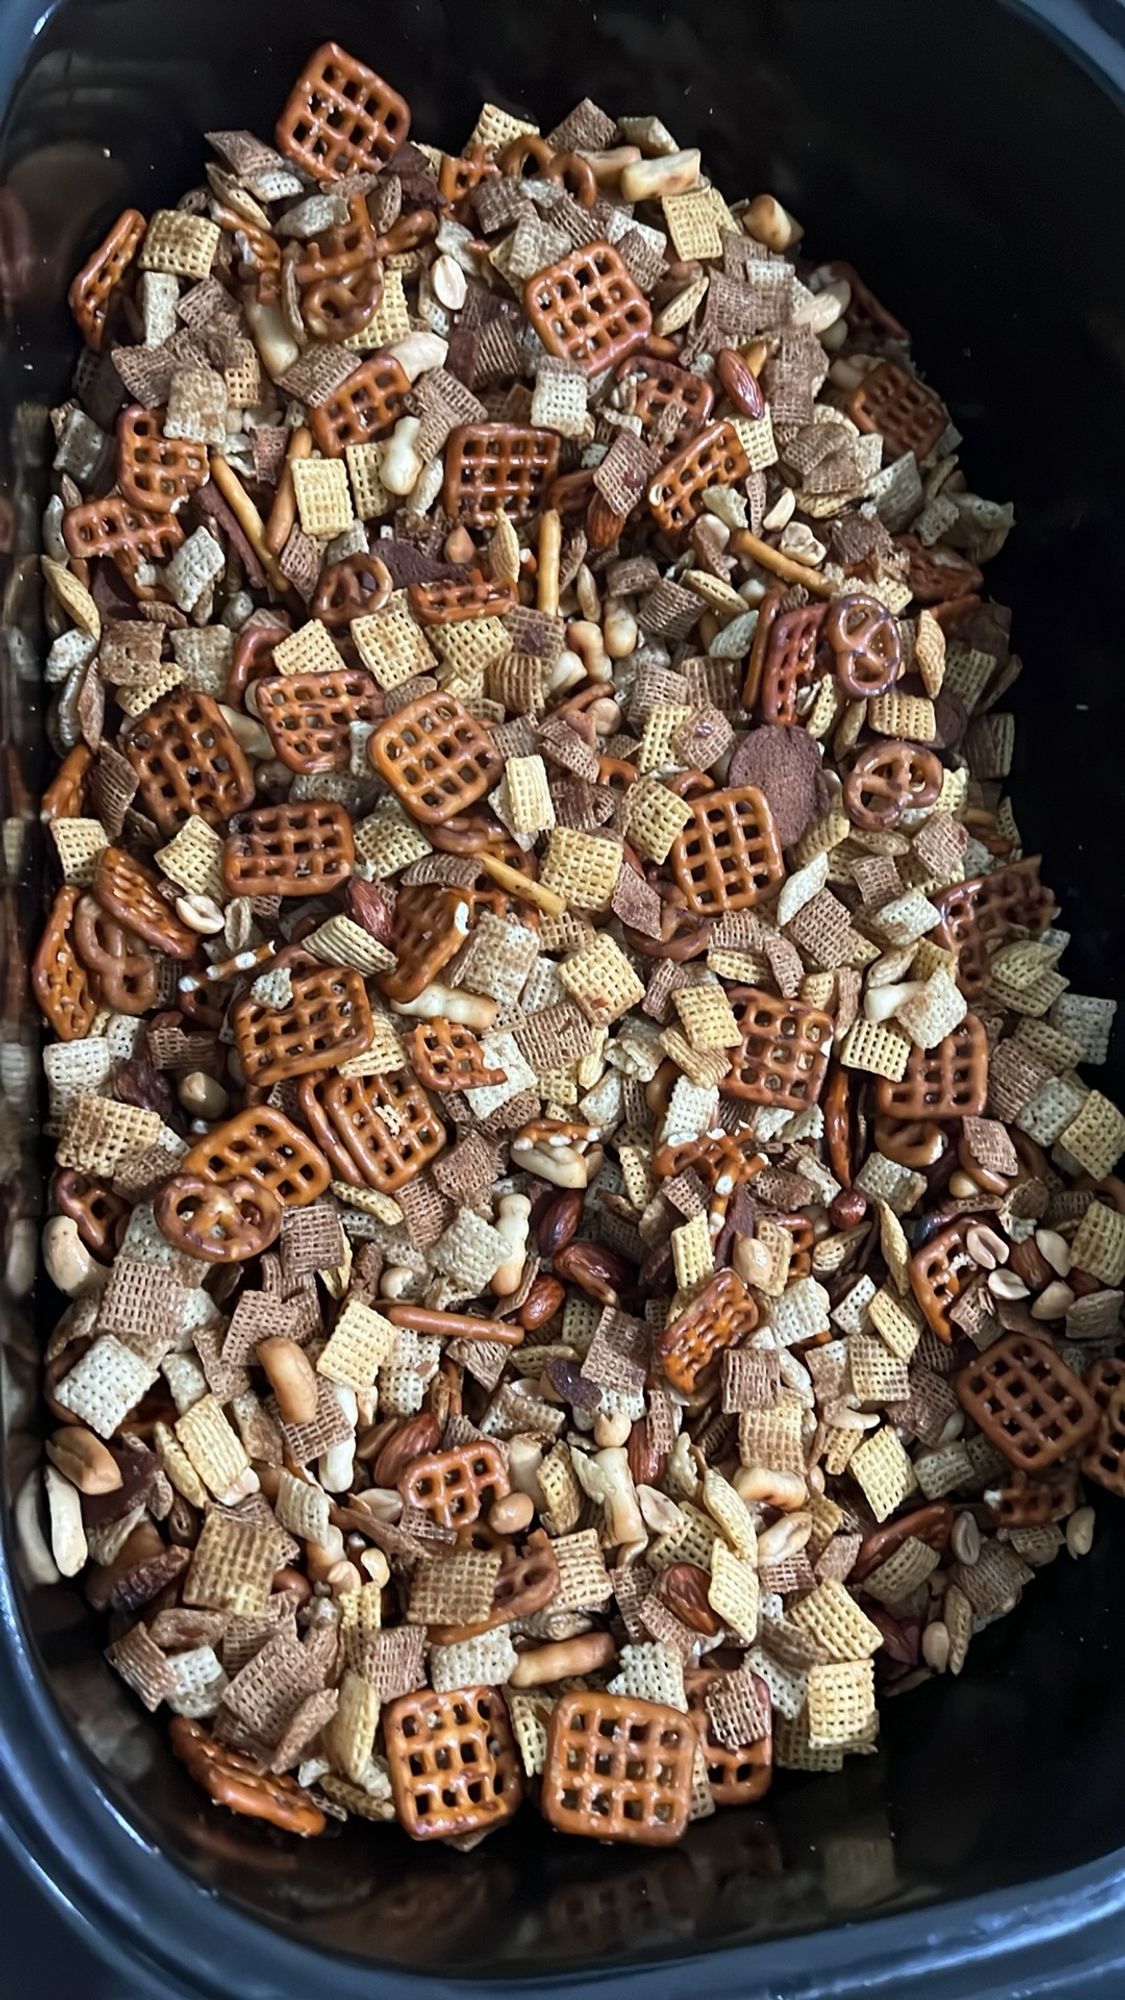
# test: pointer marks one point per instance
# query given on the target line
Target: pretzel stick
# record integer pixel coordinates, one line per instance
(746, 544)
(547, 900)
(458, 1326)
(283, 513)
(550, 549)
(247, 516)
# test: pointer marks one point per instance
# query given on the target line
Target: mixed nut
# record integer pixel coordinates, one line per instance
(588, 1254)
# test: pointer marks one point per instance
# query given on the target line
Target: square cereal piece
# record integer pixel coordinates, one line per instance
(233, 1565)
(882, 1469)
(1089, 1020)
(324, 499)
(365, 471)
(1098, 1246)
(391, 643)
(834, 1620)
(469, 1251)
(105, 1384)
(1096, 1137)
(653, 818)
(602, 980)
(771, 1438)
(308, 650)
(903, 1572)
(897, 1321)
(183, 245)
(692, 1253)
(733, 1592)
(910, 716)
(584, 1582)
(841, 1703)
(650, 1672)
(875, 1047)
(694, 223)
(581, 867)
(530, 806)
(559, 401)
(454, 1589)
(360, 1342)
(707, 1016)
(213, 1446)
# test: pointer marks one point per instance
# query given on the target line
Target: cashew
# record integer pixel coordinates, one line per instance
(402, 464)
(269, 330)
(396, 1281)
(768, 222)
(585, 638)
(606, 1477)
(784, 1490)
(567, 672)
(525, 1456)
(438, 1002)
(672, 173)
(620, 631)
(589, 1653)
(785, 1538)
(66, 1260)
(417, 353)
(512, 1219)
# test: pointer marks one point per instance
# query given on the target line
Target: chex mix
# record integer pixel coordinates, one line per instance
(589, 1247)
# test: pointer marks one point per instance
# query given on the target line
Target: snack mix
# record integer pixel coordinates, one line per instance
(590, 1255)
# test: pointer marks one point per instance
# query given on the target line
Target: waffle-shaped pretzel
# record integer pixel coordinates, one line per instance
(59, 979)
(982, 911)
(115, 527)
(366, 1148)
(430, 926)
(96, 1209)
(864, 642)
(937, 575)
(1033, 1500)
(327, 1020)
(262, 1145)
(222, 1221)
(888, 779)
(618, 1768)
(784, 659)
(129, 891)
(349, 589)
(454, 1487)
(783, 1056)
(446, 1056)
(713, 1158)
(949, 1081)
(91, 291)
(460, 173)
(236, 1782)
(718, 1316)
(660, 386)
(736, 1777)
(307, 716)
(453, 1761)
(435, 756)
(304, 849)
(367, 404)
(588, 308)
(494, 469)
(155, 472)
(1104, 1456)
(714, 458)
(188, 760)
(728, 856)
(909, 416)
(451, 601)
(940, 1271)
(120, 963)
(340, 116)
(1027, 1401)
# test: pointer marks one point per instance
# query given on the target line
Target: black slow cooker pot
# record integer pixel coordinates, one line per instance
(969, 158)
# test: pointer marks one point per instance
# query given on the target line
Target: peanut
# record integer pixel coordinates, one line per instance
(84, 1460)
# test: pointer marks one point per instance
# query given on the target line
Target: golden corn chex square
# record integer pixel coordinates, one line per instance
(391, 643)
(360, 1342)
(734, 1591)
(841, 1702)
(602, 980)
(1096, 1137)
(692, 1252)
(707, 1016)
(882, 1469)
(653, 817)
(193, 859)
(365, 471)
(324, 500)
(530, 806)
(308, 650)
